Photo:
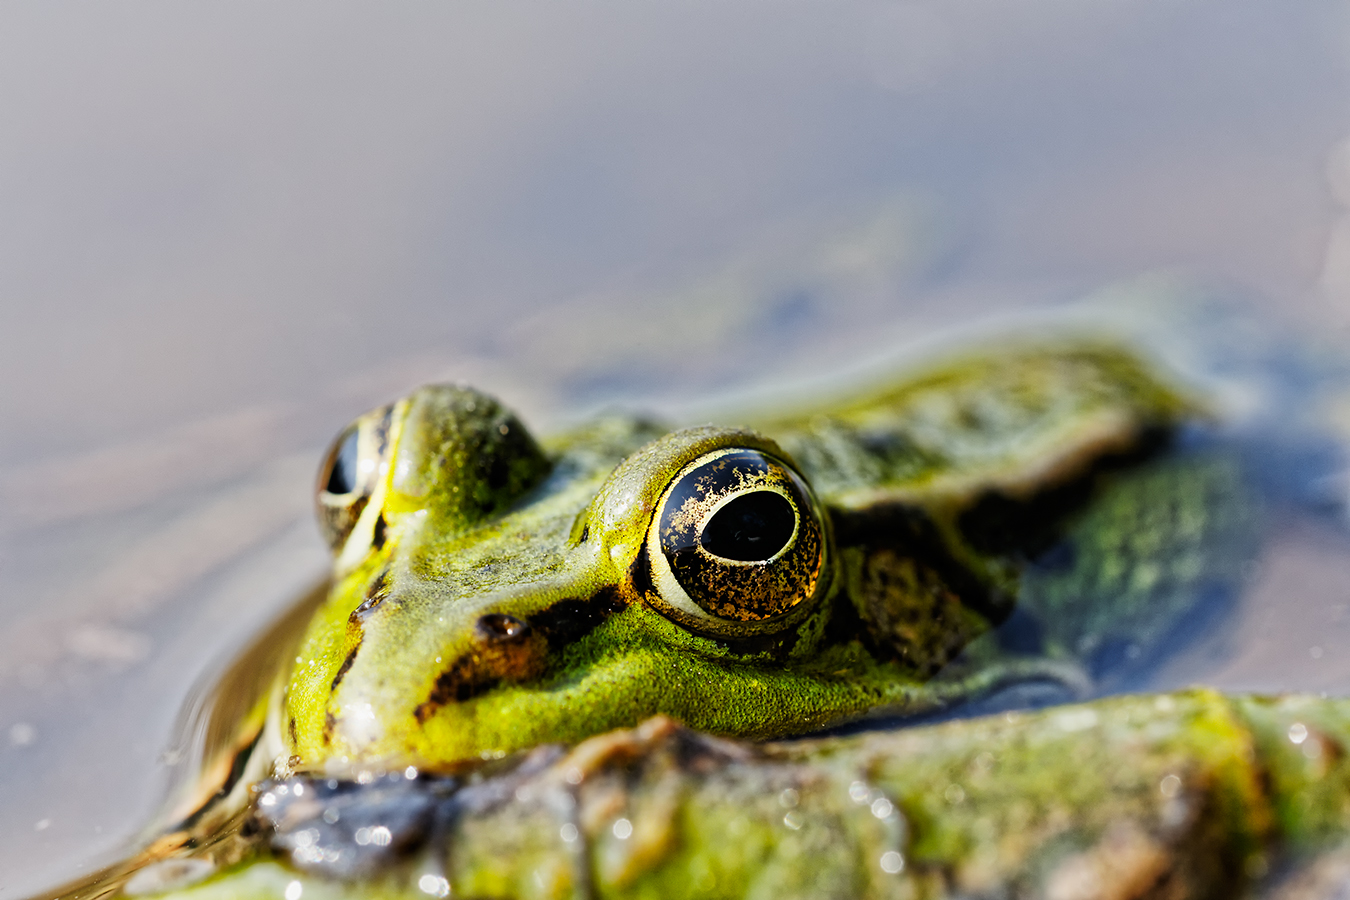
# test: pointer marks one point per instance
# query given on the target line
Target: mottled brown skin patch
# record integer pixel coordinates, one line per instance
(910, 607)
(906, 589)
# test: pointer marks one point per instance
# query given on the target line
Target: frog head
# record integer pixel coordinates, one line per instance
(492, 593)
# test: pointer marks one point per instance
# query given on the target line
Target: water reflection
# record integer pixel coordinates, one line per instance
(225, 230)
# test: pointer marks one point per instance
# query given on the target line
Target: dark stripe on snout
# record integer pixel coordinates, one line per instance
(508, 649)
(375, 595)
(462, 681)
(505, 647)
(568, 621)
(342, 669)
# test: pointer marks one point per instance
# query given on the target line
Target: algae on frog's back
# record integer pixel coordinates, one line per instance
(1187, 795)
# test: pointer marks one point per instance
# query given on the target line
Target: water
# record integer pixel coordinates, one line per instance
(224, 231)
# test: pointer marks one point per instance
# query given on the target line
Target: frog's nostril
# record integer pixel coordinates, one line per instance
(501, 627)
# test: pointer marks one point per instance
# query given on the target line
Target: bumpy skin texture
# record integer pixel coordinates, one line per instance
(469, 523)
(494, 595)
(1178, 796)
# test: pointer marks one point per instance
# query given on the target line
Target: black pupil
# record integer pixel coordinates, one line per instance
(753, 526)
(342, 477)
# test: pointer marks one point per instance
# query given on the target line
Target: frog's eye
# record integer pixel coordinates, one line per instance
(736, 544)
(349, 473)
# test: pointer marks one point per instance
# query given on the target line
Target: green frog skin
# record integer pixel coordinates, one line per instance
(493, 593)
(1026, 513)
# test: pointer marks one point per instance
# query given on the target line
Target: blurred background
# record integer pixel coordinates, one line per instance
(227, 229)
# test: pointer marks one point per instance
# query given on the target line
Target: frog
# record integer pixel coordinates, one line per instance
(1034, 512)
(492, 593)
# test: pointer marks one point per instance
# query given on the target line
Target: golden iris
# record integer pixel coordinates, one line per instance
(736, 539)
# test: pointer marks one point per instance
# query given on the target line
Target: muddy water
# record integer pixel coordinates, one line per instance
(225, 230)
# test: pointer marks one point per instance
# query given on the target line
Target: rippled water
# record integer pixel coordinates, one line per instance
(225, 230)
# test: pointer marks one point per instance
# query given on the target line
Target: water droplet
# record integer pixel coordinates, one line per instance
(1298, 733)
(410, 773)
(568, 833)
(623, 829)
(435, 885)
(954, 794)
(882, 808)
(1169, 786)
(331, 815)
(892, 863)
(859, 792)
(794, 820)
(789, 798)
(294, 890)
(1312, 749)
(573, 775)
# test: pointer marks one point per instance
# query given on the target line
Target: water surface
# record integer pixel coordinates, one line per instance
(224, 230)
